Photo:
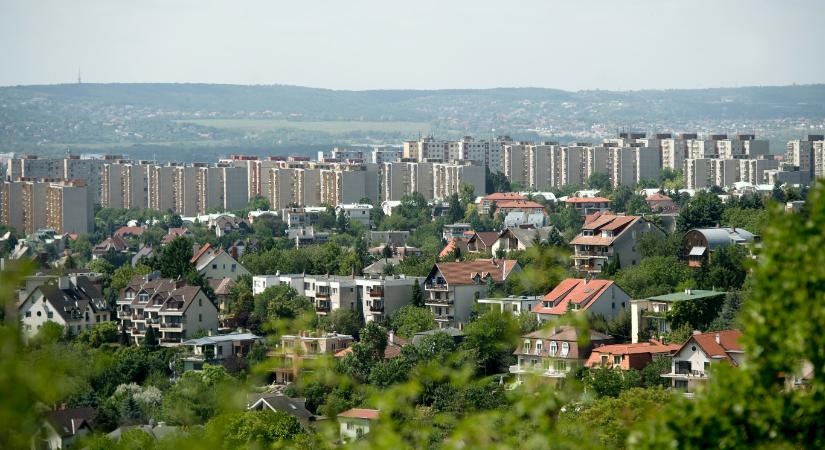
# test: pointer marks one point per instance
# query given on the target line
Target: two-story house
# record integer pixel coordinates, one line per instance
(593, 297)
(176, 310)
(553, 353)
(452, 288)
(649, 316)
(72, 301)
(215, 263)
(690, 364)
(608, 238)
(295, 349)
(511, 239)
(586, 206)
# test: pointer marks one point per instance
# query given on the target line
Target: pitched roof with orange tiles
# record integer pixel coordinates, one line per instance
(465, 272)
(360, 413)
(658, 197)
(606, 222)
(200, 253)
(455, 243)
(728, 343)
(522, 204)
(639, 347)
(575, 291)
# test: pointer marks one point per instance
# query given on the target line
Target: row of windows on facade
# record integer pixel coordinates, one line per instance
(565, 347)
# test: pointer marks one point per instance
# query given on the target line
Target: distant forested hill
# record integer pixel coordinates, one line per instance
(109, 116)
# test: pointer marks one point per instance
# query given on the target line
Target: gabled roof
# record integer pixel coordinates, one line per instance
(360, 413)
(127, 231)
(200, 253)
(79, 295)
(464, 272)
(658, 197)
(640, 347)
(67, 422)
(575, 291)
(174, 233)
(728, 343)
(605, 222)
(487, 238)
(500, 196)
(527, 235)
(519, 204)
(455, 243)
(295, 407)
(221, 286)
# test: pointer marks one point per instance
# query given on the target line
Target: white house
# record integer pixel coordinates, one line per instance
(690, 364)
(215, 349)
(63, 427)
(73, 302)
(356, 422)
(594, 297)
(356, 212)
(215, 263)
(649, 315)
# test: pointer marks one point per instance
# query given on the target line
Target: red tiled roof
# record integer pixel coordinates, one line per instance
(587, 200)
(640, 347)
(463, 272)
(728, 341)
(460, 243)
(200, 253)
(608, 222)
(360, 413)
(572, 290)
(618, 222)
(523, 204)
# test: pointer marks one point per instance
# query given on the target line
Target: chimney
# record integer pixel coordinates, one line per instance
(63, 282)
(717, 338)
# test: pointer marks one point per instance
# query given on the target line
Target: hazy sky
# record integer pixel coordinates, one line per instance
(422, 44)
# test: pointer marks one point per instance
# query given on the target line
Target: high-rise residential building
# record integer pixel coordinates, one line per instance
(87, 169)
(342, 155)
(68, 207)
(596, 160)
(160, 185)
(516, 164)
(428, 149)
(753, 170)
(32, 166)
(802, 155)
(570, 163)
(12, 207)
(184, 191)
(724, 172)
(403, 178)
(674, 152)
(448, 178)
(208, 187)
(818, 149)
(234, 181)
(33, 202)
(541, 165)
(697, 173)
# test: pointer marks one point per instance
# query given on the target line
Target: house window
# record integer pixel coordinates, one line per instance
(553, 348)
(29, 314)
(50, 314)
(526, 346)
(234, 266)
(617, 360)
(200, 317)
(561, 365)
(214, 266)
(538, 347)
(604, 360)
(565, 348)
(200, 302)
(220, 350)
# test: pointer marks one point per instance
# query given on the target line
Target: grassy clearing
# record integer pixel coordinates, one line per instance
(333, 127)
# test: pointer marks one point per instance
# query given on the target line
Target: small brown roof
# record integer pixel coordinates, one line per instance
(464, 272)
(587, 200)
(360, 413)
(125, 231)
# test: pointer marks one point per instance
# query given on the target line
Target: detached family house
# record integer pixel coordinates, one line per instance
(215, 263)
(74, 302)
(608, 238)
(452, 288)
(594, 297)
(554, 352)
(689, 368)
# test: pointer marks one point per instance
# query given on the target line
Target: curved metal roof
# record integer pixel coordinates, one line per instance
(724, 236)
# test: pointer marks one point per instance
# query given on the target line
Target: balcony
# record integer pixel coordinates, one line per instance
(435, 286)
(377, 307)
(171, 341)
(444, 317)
(376, 292)
(592, 254)
(171, 326)
(322, 307)
(680, 373)
(438, 301)
(322, 294)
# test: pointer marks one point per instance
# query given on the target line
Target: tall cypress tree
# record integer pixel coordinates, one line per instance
(151, 339)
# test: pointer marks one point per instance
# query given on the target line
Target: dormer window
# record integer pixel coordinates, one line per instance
(143, 297)
(565, 348)
(553, 348)
(526, 346)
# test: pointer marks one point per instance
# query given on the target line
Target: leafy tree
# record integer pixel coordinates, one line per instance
(374, 339)
(150, 340)
(411, 319)
(491, 338)
(620, 198)
(416, 297)
(254, 429)
(467, 195)
(753, 220)
(496, 181)
(704, 210)
(280, 302)
(725, 270)
(696, 313)
(609, 382)
(726, 320)
(386, 252)
(344, 321)
(174, 260)
(655, 244)
(102, 333)
(655, 275)
(600, 181)
(455, 212)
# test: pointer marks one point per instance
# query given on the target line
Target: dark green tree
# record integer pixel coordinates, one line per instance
(150, 340)
(416, 298)
(704, 210)
(174, 261)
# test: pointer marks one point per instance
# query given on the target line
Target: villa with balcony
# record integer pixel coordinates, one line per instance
(330, 292)
(176, 310)
(380, 296)
(295, 350)
(554, 353)
(690, 364)
(452, 288)
(591, 297)
(217, 349)
(608, 238)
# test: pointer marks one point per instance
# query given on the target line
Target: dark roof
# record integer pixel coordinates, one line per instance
(465, 272)
(295, 407)
(76, 297)
(67, 422)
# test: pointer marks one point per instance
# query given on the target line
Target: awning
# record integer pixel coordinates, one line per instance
(697, 251)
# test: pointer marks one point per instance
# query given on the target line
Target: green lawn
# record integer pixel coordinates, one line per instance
(333, 127)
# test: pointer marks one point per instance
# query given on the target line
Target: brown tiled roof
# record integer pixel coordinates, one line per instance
(658, 197)
(487, 237)
(200, 253)
(463, 272)
(221, 286)
(498, 196)
(360, 413)
(728, 342)
(134, 231)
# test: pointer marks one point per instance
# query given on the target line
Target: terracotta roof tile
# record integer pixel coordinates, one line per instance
(360, 413)
(462, 272)
(587, 200)
(572, 290)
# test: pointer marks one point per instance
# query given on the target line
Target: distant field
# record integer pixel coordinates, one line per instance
(333, 127)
